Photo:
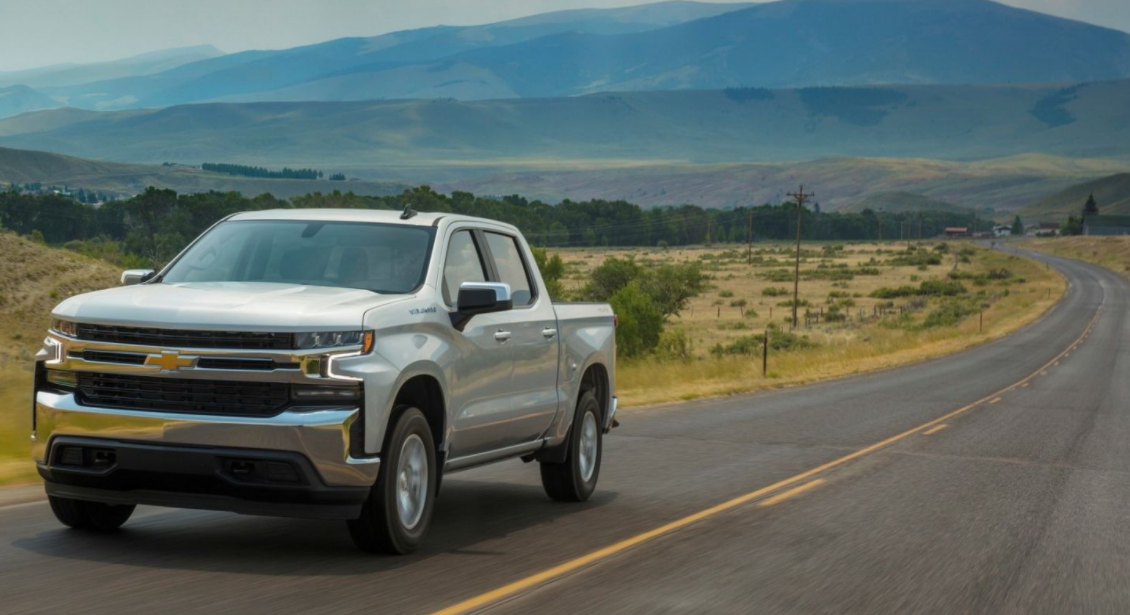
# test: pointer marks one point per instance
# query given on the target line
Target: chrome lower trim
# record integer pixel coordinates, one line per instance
(322, 436)
(470, 461)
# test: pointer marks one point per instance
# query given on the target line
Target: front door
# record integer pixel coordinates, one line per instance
(483, 357)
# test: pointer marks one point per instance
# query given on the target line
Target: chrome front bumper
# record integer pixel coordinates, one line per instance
(322, 436)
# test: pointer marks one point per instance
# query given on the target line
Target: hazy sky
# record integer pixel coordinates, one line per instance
(42, 32)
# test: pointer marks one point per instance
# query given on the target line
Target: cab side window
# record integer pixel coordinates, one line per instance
(511, 268)
(463, 264)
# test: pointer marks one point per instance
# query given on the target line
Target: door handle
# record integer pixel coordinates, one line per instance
(502, 336)
(549, 333)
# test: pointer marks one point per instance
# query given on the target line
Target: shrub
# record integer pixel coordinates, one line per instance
(674, 345)
(726, 293)
(552, 269)
(641, 322)
(774, 291)
(739, 303)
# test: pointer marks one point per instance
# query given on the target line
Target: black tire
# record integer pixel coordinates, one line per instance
(566, 482)
(91, 516)
(380, 528)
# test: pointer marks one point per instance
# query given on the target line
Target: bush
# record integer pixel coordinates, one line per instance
(779, 340)
(726, 293)
(739, 303)
(641, 322)
(949, 314)
(552, 269)
(932, 288)
(774, 291)
(674, 345)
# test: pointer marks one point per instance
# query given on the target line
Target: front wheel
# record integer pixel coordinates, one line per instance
(396, 516)
(575, 479)
(92, 516)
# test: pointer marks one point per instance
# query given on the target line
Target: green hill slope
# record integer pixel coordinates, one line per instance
(955, 122)
(116, 178)
(898, 202)
(1112, 193)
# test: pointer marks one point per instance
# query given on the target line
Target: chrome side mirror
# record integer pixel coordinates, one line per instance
(136, 276)
(480, 298)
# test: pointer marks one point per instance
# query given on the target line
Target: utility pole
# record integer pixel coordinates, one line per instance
(919, 227)
(879, 217)
(800, 195)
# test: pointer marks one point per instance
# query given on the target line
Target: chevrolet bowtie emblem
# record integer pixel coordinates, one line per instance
(170, 361)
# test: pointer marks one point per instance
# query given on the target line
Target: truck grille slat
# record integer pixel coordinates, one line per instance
(181, 395)
(185, 338)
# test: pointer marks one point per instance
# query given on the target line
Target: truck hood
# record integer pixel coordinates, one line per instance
(226, 305)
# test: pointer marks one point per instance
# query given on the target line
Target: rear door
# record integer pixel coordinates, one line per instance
(532, 326)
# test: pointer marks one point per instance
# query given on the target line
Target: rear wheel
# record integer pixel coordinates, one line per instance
(396, 516)
(93, 516)
(575, 479)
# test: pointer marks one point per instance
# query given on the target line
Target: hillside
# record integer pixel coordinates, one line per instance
(33, 280)
(1112, 193)
(256, 74)
(1002, 185)
(18, 99)
(898, 202)
(23, 166)
(951, 122)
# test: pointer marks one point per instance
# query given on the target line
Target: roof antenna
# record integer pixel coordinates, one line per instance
(408, 212)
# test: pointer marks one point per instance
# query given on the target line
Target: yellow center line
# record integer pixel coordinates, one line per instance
(784, 495)
(934, 430)
(560, 570)
(1024, 385)
(993, 401)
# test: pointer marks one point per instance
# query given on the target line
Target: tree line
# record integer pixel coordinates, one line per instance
(243, 170)
(156, 224)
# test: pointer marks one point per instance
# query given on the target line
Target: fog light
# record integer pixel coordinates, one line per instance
(327, 393)
(61, 378)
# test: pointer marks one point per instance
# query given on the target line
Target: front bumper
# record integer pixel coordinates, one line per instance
(183, 460)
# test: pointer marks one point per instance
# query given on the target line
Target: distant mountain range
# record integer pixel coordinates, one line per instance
(135, 66)
(951, 122)
(665, 46)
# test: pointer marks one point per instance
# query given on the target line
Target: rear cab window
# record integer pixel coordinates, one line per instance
(512, 267)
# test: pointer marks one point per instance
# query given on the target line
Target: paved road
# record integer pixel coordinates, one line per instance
(1017, 505)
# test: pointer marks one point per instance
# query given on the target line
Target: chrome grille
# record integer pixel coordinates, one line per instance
(182, 395)
(185, 338)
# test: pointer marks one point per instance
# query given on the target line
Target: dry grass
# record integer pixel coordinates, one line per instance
(34, 279)
(840, 348)
(1110, 252)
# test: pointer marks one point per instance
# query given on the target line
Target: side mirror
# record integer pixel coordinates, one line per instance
(136, 276)
(480, 298)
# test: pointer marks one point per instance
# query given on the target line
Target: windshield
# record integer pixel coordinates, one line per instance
(383, 258)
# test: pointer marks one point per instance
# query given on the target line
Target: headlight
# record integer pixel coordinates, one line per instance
(64, 327)
(334, 339)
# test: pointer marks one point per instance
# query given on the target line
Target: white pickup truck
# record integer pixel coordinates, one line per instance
(325, 364)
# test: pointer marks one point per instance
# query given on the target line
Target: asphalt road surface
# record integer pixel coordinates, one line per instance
(992, 481)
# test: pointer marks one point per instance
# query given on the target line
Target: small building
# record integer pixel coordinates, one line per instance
(1002, 230)
(1043, 229)
(1106, 225)
(956, 231)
